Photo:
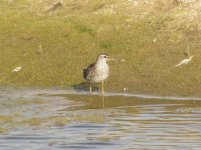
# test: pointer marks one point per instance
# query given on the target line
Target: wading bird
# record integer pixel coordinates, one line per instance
(97, 72)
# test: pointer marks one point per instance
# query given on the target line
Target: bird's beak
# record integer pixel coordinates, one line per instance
(111, 59)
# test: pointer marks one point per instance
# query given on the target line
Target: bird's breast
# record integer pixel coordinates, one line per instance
(102, 73)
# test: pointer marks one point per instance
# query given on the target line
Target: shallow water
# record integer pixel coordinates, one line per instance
(66, 119)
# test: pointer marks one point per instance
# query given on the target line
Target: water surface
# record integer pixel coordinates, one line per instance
(67, 119)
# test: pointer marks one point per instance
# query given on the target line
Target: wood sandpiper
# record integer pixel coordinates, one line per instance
(97, 72)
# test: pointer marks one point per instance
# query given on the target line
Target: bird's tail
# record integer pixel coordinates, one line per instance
(85, 73)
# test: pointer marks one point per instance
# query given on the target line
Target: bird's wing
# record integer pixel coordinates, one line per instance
(91, 66)
(89, 71)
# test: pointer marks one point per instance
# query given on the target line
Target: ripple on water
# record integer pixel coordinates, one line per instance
(45, 119)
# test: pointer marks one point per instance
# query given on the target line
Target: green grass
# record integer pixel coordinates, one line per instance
(71, 39)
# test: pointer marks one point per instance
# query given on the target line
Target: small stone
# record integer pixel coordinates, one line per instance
(154, 40)
(125, 89)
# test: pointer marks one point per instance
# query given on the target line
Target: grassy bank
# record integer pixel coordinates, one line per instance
(53, 45)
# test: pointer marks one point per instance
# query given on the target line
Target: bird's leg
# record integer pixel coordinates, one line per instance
(90, 87)
(102, 87)
(103, 99)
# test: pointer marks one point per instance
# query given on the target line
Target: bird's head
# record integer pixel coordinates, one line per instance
(104, 57)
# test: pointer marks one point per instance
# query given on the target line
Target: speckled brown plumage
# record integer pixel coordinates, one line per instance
(97, 72)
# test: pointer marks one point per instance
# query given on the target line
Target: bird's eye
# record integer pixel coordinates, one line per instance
(105, 56)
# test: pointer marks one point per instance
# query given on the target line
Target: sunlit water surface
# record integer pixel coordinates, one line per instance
(65, 119)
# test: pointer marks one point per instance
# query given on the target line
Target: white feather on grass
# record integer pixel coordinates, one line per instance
(17, 69)
(184, 61)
